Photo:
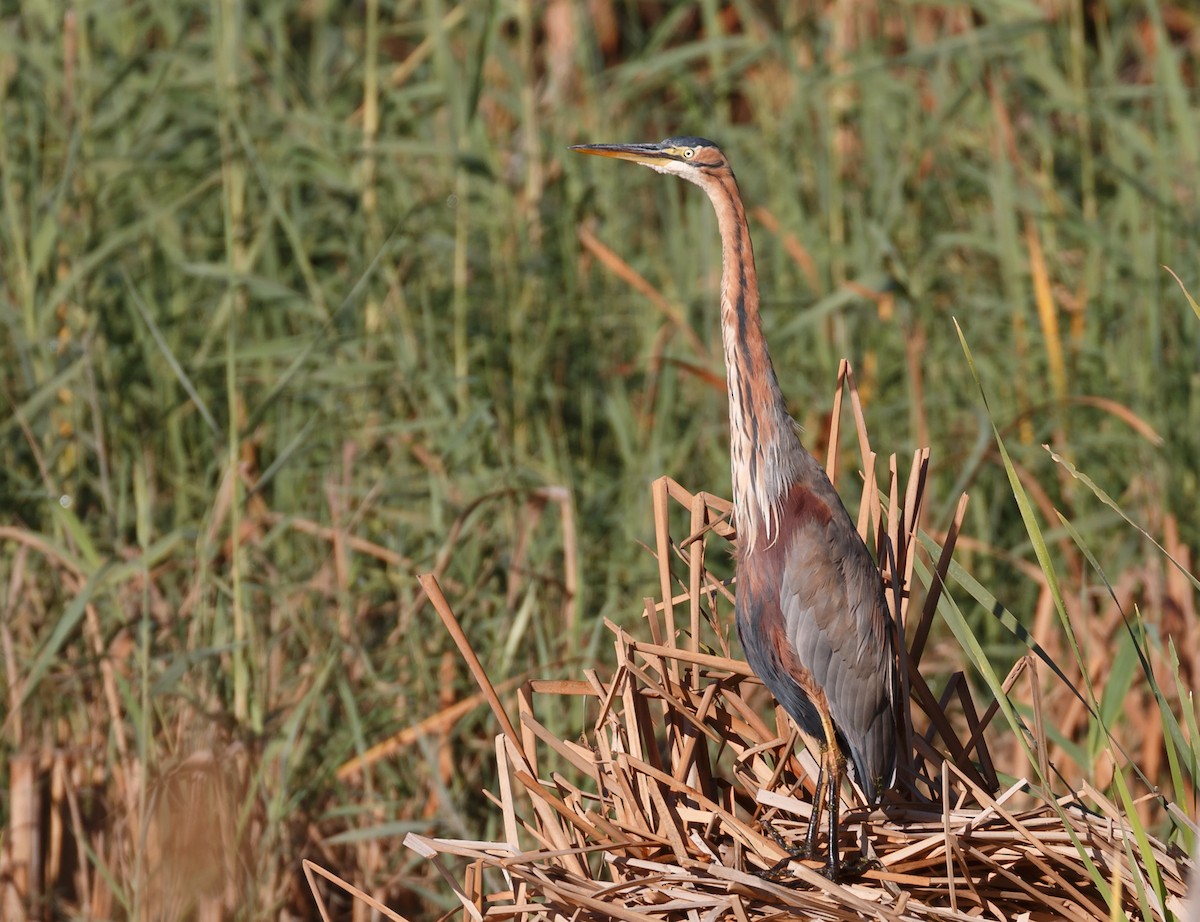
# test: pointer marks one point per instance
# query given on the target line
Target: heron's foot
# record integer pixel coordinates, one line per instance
(803, 850)
(777, 873)
(841, 872)
(849, 869)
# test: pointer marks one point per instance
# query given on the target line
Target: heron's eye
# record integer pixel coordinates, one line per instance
(688, 153)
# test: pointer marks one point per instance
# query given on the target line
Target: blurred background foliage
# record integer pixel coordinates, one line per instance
(300, 300)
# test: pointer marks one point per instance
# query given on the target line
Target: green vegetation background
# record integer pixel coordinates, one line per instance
(279, 275)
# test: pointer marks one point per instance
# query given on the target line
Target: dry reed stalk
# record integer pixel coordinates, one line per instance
(678, 799)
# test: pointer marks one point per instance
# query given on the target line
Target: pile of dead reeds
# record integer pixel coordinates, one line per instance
(677, 800)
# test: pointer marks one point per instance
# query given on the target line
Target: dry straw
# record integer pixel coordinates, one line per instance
(676, 800)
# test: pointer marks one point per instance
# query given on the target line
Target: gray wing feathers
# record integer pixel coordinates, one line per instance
(836, 619)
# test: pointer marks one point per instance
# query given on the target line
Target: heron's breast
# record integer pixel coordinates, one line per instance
(803, 516)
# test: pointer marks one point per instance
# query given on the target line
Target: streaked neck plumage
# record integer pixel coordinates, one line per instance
(765, 449)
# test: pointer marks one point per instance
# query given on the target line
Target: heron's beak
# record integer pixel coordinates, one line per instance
(648, 154)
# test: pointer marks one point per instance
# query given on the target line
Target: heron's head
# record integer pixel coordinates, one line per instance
(695, 159)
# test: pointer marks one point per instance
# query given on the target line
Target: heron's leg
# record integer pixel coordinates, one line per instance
(832, 766)
(835, 769)
(833, 783)
(809, 848)
(814, 819)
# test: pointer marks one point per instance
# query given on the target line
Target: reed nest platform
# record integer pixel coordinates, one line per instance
(681, 792)
(639, 821)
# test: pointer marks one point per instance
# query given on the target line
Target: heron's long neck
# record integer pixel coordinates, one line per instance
(765, 448)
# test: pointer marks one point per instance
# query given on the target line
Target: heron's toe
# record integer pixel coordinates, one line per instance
(849, 869)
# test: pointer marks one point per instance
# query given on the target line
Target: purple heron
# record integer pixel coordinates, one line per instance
(810, 609)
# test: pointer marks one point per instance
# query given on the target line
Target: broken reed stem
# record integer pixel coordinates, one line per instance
(430, 584)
